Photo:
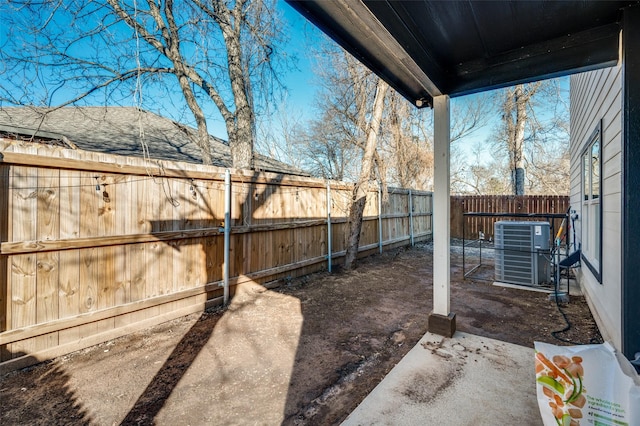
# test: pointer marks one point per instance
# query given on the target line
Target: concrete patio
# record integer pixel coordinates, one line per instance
(464, 380)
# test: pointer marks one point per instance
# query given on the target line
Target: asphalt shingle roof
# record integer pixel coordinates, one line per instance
(122, 131)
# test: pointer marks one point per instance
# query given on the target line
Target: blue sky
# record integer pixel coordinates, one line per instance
(302, 87)
(300, 81)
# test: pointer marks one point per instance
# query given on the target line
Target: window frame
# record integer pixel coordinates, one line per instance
(591, 203)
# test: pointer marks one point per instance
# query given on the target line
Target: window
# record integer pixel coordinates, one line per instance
(592, 205)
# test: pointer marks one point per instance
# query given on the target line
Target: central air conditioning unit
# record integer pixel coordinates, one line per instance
(522, 252)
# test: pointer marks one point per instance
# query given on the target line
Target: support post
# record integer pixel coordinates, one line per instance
(227, 233)
(329, 253)
(411, 218)
(441, 321)
(379, 219)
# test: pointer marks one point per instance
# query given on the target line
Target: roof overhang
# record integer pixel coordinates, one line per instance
(425, 48)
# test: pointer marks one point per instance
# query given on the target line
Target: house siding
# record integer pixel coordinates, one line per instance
(595, 96)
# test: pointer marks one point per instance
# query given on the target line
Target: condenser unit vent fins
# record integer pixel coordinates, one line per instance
(522, 252)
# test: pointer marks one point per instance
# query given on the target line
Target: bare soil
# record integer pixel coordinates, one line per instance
(307, 352)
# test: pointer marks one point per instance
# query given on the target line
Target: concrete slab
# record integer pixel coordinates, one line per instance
(523, 287)
(574, 287)
(463, 380)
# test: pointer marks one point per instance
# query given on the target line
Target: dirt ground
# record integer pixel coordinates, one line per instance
(307, 352)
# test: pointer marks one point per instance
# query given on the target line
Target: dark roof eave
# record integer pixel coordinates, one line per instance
(586, 51)
(356, 27)
(353, 26)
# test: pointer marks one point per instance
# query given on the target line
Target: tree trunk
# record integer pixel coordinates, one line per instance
(521, 120)
(202, 138)
(241, 134)
(362, 186)
(515, 120)
(242, 143)
(401, 149)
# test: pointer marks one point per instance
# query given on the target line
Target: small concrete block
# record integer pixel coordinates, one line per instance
(442, 325)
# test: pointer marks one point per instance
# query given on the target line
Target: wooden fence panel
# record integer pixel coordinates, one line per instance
(69, 292)
(92, 244)
(500, 204)
(22, 296)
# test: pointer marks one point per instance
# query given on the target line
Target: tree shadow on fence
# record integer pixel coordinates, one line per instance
(202, 339)
(253, 337)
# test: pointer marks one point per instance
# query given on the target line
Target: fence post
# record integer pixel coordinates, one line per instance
(431, 216)
(379, 219)
(227, 232)
(411, 218)
(329, 254)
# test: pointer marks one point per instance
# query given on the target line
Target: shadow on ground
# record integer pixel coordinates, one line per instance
(306, 353)
(48, 382)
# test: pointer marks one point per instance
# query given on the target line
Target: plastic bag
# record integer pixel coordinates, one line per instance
(586, 385)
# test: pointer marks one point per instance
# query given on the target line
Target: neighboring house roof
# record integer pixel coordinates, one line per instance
(122, 131)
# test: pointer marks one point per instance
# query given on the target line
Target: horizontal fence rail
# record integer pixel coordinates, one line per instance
(94, 246)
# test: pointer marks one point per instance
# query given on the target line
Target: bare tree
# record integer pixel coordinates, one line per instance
(485, 177)
(362, 185)
(342, 142)
(278, 136)
(537, 146)
(333, 143)
(354, 102)
(406, 144)
(326, 151)
(407, 140)
(514, 117)
(548, 168)
(213, 50)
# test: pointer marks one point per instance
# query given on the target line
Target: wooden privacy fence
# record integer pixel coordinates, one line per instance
(94, 246)
(526, 204)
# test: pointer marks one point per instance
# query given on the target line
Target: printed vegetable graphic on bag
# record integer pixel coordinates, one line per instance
(561, 380)
(585, 385)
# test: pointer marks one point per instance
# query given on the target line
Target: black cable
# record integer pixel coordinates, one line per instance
(567, 322)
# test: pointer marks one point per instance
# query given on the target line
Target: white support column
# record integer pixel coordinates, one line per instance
(441, 321)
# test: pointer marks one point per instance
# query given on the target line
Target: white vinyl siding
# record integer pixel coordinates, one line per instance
(596, 96)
